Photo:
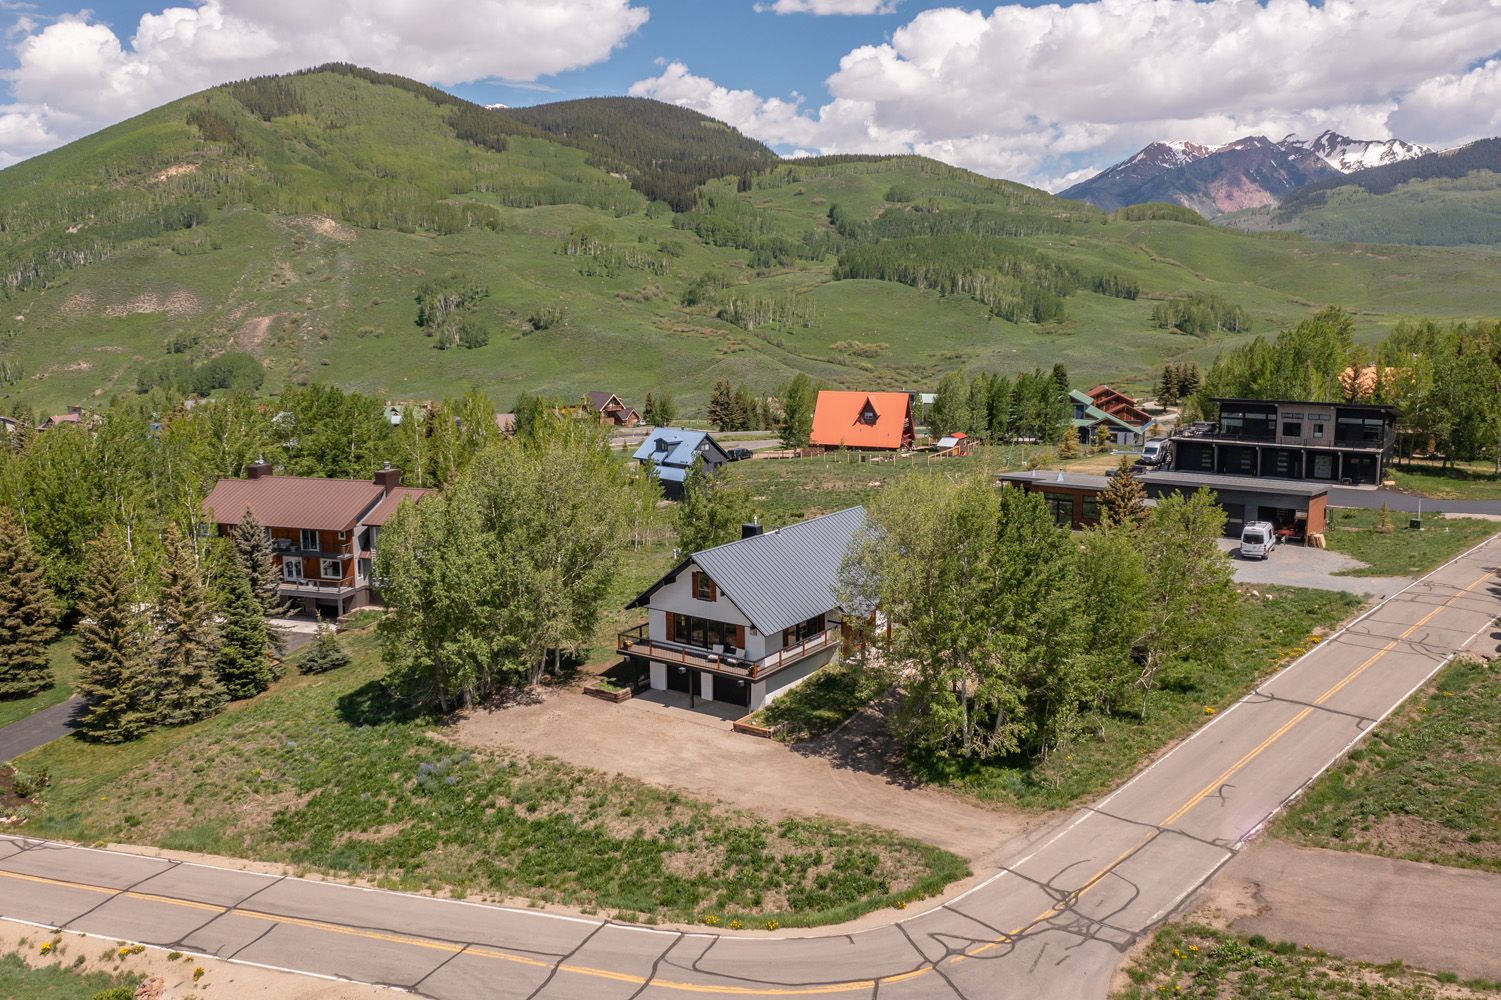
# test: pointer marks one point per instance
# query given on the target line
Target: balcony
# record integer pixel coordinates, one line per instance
(636, 642)
(315, 588)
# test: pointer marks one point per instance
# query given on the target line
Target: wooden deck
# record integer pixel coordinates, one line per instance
(636, 642)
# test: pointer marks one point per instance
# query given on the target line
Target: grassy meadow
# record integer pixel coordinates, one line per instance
(322, 774)
(1403, 551)
(1184, 959)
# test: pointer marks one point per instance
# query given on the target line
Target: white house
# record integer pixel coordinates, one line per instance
(744, 622)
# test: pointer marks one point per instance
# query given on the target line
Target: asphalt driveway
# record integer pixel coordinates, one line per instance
(1297, 566)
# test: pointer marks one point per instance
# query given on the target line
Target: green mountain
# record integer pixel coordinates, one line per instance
(1449, 198)
(351, 227)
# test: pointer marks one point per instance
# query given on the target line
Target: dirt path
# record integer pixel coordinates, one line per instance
(843, 777)
(1364, 907)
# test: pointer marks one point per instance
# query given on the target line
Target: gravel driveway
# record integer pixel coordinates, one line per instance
(1297, 566)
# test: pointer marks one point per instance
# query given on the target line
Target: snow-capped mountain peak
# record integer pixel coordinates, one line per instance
(1349, 155)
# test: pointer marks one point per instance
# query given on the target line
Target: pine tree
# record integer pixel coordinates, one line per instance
(113, 675)
(245, 656)
(1060, 378)
(722, 406)
(253, 550)
(188, 642)
(328, 653)
(1124, 501)
(1168, 389)
(1101, 439)
(1069, 446)
(26, 613)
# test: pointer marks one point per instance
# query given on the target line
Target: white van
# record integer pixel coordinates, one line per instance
(1257, 540)
(1154, 452)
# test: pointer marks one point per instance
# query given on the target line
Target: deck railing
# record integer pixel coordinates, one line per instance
(637, 642)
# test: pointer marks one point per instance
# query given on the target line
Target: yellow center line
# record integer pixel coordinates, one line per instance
(828, 988)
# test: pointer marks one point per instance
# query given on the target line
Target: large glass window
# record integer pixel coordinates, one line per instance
(805, 630)
(291, 568)
(1061, 506)
(331, 570)
(309, 540)
(1292, 428)
(1090, 509)
(705, 632)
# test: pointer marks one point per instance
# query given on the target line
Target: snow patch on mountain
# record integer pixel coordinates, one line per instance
(1349, 155)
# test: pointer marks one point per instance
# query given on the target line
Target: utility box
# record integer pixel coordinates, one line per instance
(1415, 523)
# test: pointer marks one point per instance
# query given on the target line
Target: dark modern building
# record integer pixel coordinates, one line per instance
(1280, 439)
(1074, 498)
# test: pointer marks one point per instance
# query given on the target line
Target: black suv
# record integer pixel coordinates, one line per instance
(739, 454)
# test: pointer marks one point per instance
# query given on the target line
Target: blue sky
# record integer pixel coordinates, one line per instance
(1045, 94)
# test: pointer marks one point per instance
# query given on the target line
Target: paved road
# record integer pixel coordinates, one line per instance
(1340, 496)
(40, 727)
(1052, 924)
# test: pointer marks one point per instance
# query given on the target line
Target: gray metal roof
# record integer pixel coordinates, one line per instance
(1246, 484)
(1041, 478)
(782, 577)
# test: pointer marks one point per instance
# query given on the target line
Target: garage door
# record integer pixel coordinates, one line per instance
(732, 690)
(680, 678)
(1235, 519)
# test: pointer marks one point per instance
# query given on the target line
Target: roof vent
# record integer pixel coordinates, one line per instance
(1060, 475)
(750, 530)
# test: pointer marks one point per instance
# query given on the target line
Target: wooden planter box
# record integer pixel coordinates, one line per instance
(749, 728)
(594, 691)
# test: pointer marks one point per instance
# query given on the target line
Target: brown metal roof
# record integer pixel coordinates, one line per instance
(383, 510)
(294, 501)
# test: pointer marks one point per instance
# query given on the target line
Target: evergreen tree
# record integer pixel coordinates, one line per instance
(722, 406)
(252, 544)
(111, 651)
(1101, 439)
(26, 613)
(245, 656)
(1069, 446)
(188, 640)
(1060, 378)
(1168, 389)
(1124, 501)
(327, 653)
(745, 408)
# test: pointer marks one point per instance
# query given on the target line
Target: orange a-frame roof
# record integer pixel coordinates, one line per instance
(837, 420)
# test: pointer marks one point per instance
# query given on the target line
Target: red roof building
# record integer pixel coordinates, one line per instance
(323, 531)
(1119, 405)
(865, 420)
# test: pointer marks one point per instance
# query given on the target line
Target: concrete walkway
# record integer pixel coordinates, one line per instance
(39, 728)
(1297, 566)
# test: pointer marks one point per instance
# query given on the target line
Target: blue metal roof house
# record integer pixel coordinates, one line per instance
(672, 450)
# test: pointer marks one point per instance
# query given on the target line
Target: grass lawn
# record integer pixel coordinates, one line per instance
(64, 670)
(57, 981)
(1467, 481)
(1404, 552)
(1279, 625)
(1423, 786)
(318, 774)
(821, 703)
(1190, 960)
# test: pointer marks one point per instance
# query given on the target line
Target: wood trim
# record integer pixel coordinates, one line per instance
(672, 621)
(740, 637)
(713, 591)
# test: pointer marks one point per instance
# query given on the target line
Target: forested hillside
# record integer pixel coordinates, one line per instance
(349, 227)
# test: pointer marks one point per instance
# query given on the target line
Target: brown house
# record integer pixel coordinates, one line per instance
(323, 531)
(1119, 405)
(610, 411)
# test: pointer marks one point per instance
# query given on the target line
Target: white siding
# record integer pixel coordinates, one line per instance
(677, 598)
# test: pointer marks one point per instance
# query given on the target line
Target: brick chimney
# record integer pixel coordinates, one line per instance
(388, 478)
(260, 470)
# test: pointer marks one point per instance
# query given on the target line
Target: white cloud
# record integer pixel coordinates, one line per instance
(828, 6)
(75, 74)
(1046, 93)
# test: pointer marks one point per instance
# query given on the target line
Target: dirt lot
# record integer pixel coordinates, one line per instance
(844, 775)
(219, 978)
(1363, 907)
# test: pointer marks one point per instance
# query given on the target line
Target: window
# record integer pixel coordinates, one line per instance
(804, 630)
(1091, 509)
(1061, 506)
(868, 414)
(1292, 429)
(330, 569)
(705, 588)
(309, 540)
(343, 535)
(291, 568)
(1318, 430)
(694, 631)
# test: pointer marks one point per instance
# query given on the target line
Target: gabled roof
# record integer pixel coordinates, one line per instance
(779, 578)
(383, 510)
(837, 419)
(294, 501)
(681, 446)
(599, 400)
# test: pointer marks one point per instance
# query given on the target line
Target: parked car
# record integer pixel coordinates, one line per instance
(1257, 540)
(739, 454)
(1156, 451)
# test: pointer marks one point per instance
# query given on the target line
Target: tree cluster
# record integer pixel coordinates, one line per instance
(1178, 381)
(993, 408)
(448, 311)
(1011, 629)
(1200, 315)
(738, 409)
(499, 577)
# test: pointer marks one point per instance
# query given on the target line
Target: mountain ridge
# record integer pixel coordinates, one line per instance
(1249, 172)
